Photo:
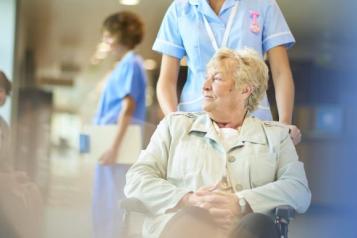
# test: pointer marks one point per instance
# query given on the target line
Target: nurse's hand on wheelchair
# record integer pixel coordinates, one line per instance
(295, 134)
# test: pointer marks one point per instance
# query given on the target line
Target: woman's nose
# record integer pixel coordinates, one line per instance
(207, 84)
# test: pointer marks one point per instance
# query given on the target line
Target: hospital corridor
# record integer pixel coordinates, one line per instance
(205, 115)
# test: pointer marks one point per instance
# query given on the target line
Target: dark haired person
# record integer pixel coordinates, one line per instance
(5, 89)
(6, 228)
(122, 103)
(21, 206)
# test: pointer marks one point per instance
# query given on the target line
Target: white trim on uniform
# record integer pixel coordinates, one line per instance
(276, 35)
(170, 43)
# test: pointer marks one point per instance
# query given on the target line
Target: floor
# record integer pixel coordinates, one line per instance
(68, 207)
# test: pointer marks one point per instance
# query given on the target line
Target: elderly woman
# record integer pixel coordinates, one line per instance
(221, 172)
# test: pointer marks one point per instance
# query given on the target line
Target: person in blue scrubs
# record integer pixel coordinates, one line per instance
(196, 29)
(122, 103)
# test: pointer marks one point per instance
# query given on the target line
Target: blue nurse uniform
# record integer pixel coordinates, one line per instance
(183, 34)
(127, 79)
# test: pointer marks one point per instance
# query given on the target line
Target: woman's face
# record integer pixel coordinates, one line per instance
(218, 89)
(220, 95)
(110, 41)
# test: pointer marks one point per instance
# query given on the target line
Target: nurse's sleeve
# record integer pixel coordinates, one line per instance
(146, 179)
(168, 40)
(290, 188)
(134, 84)
(275, 31)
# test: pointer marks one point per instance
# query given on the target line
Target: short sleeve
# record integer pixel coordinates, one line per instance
(133, 84)
(168, 40)
(276, 31)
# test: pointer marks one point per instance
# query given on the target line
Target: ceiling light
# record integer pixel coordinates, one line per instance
(129, 2)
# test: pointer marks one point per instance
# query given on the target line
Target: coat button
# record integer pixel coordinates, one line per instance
(231, 159)
(239, 187)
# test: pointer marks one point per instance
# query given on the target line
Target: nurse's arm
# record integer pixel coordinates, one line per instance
(124, 119)
(283, 83)
(167, 84)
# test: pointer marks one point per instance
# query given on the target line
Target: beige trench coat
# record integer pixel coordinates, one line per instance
(185, 153)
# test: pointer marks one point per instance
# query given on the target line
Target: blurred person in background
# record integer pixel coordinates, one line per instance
(221, 172)
(5, 89)
(21, 207)
(195, 29)
(121, 103)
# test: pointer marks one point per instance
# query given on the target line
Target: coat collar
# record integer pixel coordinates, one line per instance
(204, 7)
(251, 130)
(228, 4)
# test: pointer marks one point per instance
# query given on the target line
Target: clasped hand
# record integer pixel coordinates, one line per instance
(223, 206)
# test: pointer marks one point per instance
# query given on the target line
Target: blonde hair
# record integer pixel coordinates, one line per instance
(247, 67)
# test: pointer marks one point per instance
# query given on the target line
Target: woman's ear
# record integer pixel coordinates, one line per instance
(247, 90)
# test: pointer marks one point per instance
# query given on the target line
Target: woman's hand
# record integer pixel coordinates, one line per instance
(192, 199)
(223, 206)
(109, 157)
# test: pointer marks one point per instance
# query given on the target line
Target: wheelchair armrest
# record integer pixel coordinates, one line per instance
(284, 214)
(133, 205)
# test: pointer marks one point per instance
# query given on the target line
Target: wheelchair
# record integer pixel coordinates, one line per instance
(135, 210)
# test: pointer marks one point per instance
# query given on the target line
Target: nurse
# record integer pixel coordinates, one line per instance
(122, 103)
(196, 29)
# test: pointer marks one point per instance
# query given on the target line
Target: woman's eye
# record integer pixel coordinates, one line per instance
(208, 77)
